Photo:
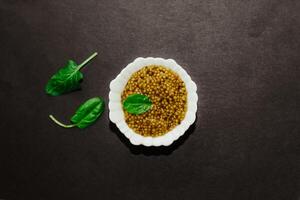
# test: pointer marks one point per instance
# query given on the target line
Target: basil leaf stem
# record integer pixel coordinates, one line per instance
(87, 60)
(61, 124)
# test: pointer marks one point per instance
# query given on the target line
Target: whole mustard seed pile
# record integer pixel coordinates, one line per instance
(169, 100)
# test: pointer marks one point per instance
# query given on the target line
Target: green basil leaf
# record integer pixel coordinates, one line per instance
(85, 115)
(67, 79)
(88, 112)
(137, 104)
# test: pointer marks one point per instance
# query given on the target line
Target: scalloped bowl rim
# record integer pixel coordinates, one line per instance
(116, 113)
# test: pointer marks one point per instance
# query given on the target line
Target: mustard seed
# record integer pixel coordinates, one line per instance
(168, 94)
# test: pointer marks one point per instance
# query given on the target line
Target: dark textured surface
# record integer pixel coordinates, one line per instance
(243, 55)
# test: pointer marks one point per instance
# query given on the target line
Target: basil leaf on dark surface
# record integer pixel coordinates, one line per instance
(85, 115)
(67, 79)
(88, 112)
(137, 104)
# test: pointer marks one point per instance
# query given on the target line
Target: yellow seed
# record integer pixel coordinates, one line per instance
(168, 95)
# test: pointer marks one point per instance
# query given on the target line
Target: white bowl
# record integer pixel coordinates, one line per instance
(116, 113)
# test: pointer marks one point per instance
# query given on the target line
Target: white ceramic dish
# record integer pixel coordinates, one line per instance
(116, 113)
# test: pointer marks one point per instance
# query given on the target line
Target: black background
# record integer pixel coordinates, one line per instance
(243, 55)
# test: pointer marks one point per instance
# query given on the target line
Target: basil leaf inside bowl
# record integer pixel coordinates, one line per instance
(137, 104)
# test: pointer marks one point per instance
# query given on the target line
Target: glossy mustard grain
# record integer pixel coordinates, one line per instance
(169, 97)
